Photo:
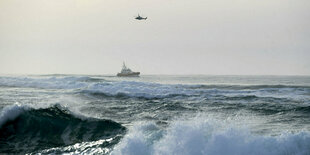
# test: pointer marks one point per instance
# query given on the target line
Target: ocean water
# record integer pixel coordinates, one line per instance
(155, 115)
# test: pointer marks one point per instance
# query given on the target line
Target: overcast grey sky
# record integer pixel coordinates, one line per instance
(179, 37)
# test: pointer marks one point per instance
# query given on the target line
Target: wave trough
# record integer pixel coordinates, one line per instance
(80, 114)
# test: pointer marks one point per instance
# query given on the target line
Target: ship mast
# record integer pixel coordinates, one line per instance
(124, 66)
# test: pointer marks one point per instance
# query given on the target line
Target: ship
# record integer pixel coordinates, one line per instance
(126, 72)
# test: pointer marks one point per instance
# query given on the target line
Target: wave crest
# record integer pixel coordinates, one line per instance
(138, 89)
(205, 137)
(69, 82)
(37, 129)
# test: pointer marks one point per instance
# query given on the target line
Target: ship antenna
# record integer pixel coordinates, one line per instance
(124, 66)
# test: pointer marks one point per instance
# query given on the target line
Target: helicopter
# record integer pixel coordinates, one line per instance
(140, 18)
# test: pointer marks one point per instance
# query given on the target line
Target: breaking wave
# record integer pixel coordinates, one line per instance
(138, 89)
(24, 129)
(156, 90)
(68, 82)
(200, 136)
(148, 90)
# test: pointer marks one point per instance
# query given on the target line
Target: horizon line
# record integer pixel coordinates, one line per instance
(44, 74)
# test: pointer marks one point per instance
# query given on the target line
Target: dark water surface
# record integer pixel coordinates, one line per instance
(155, 114)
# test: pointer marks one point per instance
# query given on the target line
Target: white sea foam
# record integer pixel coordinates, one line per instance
(11, 112)
(49, 83)
(150, 90)
(139, 89)
(200, 136)
(155, 90)
(85, 148)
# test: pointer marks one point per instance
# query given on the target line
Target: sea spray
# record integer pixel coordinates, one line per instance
(81, 114)
(9, 113)
(207, 136)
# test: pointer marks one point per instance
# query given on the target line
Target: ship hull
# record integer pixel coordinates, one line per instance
(133, 74)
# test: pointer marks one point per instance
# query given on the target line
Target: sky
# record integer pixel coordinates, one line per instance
(213, 37)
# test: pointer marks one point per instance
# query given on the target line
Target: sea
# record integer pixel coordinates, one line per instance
(155, 115)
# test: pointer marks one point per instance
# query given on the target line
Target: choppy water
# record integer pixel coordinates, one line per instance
(54, 114)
